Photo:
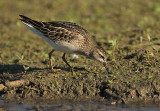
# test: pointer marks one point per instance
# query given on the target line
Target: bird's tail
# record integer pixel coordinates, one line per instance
(30, 21)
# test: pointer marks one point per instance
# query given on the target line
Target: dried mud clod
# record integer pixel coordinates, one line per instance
(13, 84)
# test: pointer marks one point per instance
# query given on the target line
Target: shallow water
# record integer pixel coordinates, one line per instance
(81, 106)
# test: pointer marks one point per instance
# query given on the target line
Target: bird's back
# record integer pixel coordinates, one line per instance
(60, 35)
(55, 29)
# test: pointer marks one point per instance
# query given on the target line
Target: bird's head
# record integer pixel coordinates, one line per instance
(100, 55)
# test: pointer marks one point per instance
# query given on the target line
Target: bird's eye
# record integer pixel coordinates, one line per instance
(102, 57)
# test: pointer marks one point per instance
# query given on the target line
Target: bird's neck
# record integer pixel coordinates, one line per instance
(91, 52)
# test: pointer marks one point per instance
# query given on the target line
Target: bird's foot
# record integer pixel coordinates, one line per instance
(71, 70)
(54, 70)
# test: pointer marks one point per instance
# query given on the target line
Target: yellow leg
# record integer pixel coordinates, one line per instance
(50, 61)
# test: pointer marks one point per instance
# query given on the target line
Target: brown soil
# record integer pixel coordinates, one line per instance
(129, 33)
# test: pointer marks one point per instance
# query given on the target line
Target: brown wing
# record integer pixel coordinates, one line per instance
(73, 27)
(57, 30)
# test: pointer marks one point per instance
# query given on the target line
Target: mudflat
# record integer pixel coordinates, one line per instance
(128, 30)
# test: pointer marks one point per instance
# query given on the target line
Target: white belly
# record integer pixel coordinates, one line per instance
(58, 45)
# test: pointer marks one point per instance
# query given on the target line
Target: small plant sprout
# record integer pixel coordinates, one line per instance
(150, 77)
(45, 55)
(148, 37)
(25, 68)
(113, 42)
(109, 52)
(19, 59)
(141, 39)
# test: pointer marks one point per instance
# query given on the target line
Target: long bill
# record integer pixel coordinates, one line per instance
(106, 67)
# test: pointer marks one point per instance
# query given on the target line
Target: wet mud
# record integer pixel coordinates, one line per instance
(129, 34)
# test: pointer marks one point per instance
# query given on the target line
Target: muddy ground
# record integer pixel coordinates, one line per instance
(128, 30)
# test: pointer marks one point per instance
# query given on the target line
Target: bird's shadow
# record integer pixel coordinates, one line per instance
(10, 72)
(18, 68)
(68, 69)
(11, 68)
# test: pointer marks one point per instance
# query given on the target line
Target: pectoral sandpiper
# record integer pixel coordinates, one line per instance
(66, 37)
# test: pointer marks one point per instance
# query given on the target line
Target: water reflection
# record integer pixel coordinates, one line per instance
(91, 106)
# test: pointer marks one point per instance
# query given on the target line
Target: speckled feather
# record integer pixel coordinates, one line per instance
(57, 30)
(64, 31)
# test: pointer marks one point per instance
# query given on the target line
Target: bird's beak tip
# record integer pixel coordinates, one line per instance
(106, 67)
